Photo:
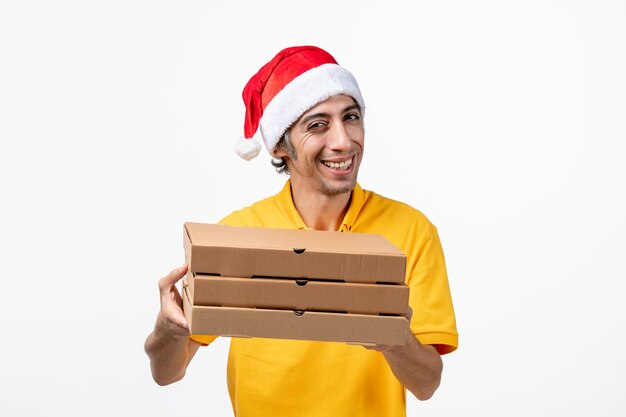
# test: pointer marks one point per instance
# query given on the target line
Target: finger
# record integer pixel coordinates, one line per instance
(168, 281)
(373, 346)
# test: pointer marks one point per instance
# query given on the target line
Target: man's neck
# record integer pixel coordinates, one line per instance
(320, 211)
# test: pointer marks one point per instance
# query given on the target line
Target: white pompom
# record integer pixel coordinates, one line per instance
(247, 148)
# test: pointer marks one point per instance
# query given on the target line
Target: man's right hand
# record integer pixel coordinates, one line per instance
(171, 319)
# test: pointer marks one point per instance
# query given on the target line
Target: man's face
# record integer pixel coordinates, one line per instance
(328, 143)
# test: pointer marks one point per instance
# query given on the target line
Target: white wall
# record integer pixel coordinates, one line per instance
(504, 122)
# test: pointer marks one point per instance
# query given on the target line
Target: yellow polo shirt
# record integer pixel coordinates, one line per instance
(276, 378)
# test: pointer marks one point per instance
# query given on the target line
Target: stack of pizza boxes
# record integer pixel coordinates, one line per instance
(294, 284)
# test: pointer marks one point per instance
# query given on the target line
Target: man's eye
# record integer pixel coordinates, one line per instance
(352, 116)
(316, 125)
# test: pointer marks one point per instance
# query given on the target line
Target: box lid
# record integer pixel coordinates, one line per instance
(250, 251)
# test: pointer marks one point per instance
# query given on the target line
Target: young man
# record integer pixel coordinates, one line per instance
(309, 113)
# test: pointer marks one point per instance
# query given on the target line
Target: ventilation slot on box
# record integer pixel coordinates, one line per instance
(269, 277)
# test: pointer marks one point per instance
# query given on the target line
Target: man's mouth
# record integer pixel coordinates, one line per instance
(338, 165)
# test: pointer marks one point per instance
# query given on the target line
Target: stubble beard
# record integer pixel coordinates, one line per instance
(327, 189)
(331, 191)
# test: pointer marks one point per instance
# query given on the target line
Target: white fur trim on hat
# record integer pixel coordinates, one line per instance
(247, 148)
(302, 93)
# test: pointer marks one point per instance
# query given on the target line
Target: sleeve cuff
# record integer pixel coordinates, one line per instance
(444, 342)
(204, 340)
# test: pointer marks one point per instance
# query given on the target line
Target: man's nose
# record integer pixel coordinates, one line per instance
(339, 137)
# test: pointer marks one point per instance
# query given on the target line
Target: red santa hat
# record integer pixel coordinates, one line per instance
(295, 80)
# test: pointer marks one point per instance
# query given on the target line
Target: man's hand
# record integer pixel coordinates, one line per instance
(383, 348)
(169, 347)
(171, 320)
(418, 367)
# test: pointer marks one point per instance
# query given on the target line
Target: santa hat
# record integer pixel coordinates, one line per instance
(295, 80)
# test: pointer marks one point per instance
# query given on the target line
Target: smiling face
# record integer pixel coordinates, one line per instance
(328, 143)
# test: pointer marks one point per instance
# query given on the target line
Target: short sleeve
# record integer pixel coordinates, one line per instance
(433, 321)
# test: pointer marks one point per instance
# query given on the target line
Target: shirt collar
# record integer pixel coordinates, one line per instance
(285, 202)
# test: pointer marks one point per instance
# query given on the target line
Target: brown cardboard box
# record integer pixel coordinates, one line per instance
(300, 294)
(248, 251)
(294, 284)
(288, 324)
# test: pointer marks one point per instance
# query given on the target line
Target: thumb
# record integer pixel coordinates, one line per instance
(168, 281)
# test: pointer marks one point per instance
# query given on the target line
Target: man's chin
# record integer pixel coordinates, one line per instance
(336, 189)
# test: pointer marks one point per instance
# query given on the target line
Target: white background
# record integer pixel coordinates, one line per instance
(504, 122)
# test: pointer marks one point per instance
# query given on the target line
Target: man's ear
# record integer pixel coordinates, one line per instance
(280, 152)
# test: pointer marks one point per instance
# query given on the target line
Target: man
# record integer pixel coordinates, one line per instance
(309, 112)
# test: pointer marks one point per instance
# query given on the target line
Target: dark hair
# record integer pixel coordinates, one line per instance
(281, 163)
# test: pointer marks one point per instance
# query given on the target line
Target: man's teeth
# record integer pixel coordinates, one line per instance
(338, 165)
